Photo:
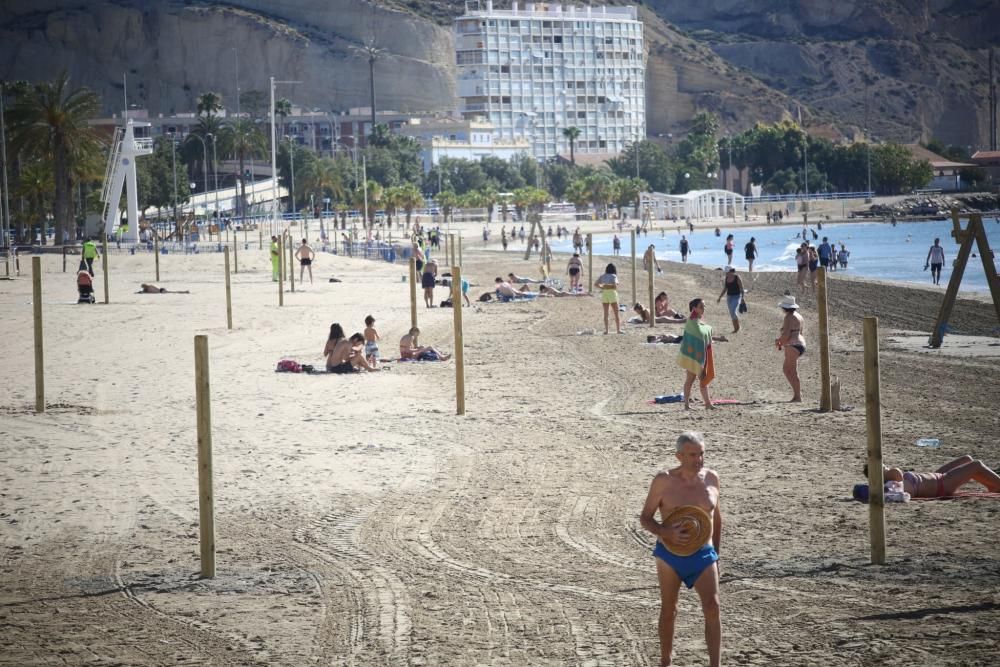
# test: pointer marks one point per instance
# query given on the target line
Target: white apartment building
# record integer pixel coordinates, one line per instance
(461, 139)
(537, 69)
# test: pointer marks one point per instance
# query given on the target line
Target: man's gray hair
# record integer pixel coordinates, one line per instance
(690, 436)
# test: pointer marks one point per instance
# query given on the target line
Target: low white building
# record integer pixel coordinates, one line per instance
(696, 204)
(461, 139)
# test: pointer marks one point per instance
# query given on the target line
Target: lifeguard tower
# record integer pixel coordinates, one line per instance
(121, 169)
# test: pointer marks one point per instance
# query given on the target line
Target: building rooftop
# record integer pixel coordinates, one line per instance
(550, 10)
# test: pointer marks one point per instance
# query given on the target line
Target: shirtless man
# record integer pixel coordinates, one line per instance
(507, 291)
(410, 348)
(514, 279)
(305, 256)
(649, 259)
(690, 483)
(945, 480)
(347, 356)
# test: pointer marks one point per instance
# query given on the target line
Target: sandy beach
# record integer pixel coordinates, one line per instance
(359, 521)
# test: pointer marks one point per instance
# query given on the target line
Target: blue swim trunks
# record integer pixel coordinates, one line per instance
(688, 568)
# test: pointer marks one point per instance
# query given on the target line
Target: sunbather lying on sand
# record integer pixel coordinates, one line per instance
(153, 289)
(545, 290)
(664, 313)
(521, 280)
(945, 480)
(506, 290)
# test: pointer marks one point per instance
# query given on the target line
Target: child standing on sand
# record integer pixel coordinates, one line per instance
(371, 341)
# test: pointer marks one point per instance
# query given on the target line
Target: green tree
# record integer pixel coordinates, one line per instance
(654, 165)
(34, 186)
(502, 172)
(627, 191)
(243, 139)
(577, 193)
(282, 110)
(255, 103)
(600, 190)
(322, 179)
(448, 201)
(895, 170)
(209, 104)
(558, 176)
(409, 199)
(48, 122)
(571, 134)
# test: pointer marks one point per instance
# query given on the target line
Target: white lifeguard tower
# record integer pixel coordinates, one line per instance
(121, 168)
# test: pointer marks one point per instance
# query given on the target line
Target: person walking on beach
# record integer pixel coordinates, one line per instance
(732, 289)
(935, 259)
(616, 245)
(695, 354)
(813, 257)
(305, 255)
(649, 259)
(89, 255)
(685, 249)
(802, 266)
(275, 260)
(427, 281)
(792, 342)
(608, 284)
(574, 267)
(750, 252)
(577, 240)
(730, 245)
(689, 489)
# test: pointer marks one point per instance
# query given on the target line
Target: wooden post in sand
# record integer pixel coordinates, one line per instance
(236, 254)
(413, 291)
(104, 264)
(873, 422)
(460, 249)
(652, 310)
(206, 500)
(36, 302)
(824, 344)
(281, 272)
(229, 296)
(156, 254)
(291, 262)
(632, 235)
(590, 263)
(456, 306)
(64, 248)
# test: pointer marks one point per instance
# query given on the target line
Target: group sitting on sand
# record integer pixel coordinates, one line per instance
(345, 355)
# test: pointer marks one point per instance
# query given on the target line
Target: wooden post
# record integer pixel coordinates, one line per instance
(456, 306)
(206, 499)
(413, 291)
(104, 264)
(835, 394)
(632, 236)
(460, 249)
(652, 310)
(229, 296)
(260, 235)
(873, 421)
(36, 302)
(531, 240)
(281, 271)
(236, 254)
(590, 263)
(156, 254)
(64, 258)
(824, 344)
(291, 262)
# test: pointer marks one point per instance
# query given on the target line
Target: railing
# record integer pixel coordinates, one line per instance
(375, 250)
(812, 196)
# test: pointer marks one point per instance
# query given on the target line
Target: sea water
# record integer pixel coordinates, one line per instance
(878, 250)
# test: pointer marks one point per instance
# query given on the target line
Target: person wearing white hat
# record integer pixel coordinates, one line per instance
(732, 289)
(793, 343)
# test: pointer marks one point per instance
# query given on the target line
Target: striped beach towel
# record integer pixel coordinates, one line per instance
(695, 354)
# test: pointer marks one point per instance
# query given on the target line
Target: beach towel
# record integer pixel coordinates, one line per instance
(695, 355)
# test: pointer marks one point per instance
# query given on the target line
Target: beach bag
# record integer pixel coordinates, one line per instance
(446, 303)
(288, 366)
(743, 306)
(486, 297)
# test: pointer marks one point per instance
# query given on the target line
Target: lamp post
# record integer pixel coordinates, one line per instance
(173, 159)
(274, 155)
(291, 156)
(204, 148)
(215, 171)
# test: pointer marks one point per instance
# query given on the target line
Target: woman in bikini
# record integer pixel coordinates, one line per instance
(793, 343)
(945, 481)
(663, 312)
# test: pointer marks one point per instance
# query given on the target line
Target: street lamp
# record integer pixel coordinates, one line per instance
(291, 156)
(215, 171)
(204, 148)
(274, 155)
(173, 159)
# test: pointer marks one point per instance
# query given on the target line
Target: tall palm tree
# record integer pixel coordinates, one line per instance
(34, 186)
(49, 123)
(391, 202)
(283, 108)
(571, 134)
(209, 104)
(409, 199)
(243, 139)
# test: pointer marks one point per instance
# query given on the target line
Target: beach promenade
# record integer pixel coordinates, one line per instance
(359, 521)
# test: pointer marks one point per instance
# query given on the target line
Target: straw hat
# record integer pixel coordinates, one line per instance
(698, 525)
(788, 303)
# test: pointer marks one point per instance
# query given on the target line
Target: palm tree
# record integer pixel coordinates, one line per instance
(243, 139)
(447, 200)
(571, 133)
(409, 199)
(34, 186)
(209, 104)
(391, 201)
(322, 179)
(49, 123)
(283, 108)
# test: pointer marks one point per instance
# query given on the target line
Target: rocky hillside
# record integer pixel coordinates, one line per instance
(909, 69)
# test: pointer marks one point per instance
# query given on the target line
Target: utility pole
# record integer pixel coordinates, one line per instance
(993, 106)
(5, 202)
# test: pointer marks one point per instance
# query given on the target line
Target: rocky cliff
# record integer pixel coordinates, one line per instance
(909, 69)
